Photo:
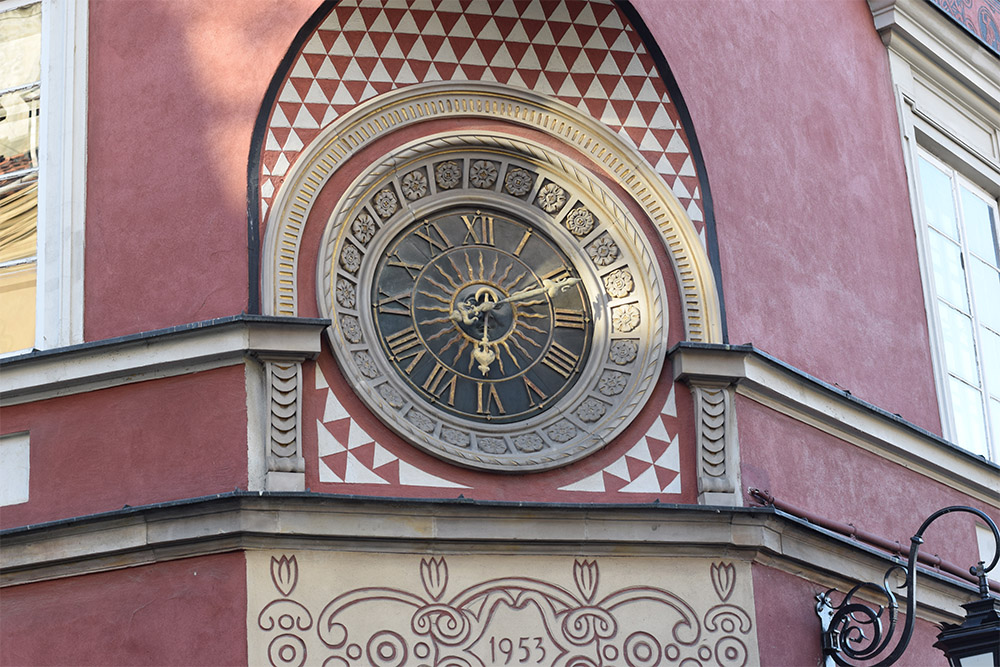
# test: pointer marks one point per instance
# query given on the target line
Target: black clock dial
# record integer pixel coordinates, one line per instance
(482, 314)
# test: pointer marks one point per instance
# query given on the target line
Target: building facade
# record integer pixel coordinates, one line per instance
(483, 332)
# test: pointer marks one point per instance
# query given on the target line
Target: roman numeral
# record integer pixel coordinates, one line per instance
(393, 259)
(562, 273)
(491, 399)
(524, 242)
(484, 235)
(398, 304)
(406, 344)
(436, 240)
(561, 360)
(531, 388)
(439, 381)
(568, 318)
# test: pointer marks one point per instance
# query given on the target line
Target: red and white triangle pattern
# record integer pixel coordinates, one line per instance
(348, 455)
(652, 465)
(582, 52)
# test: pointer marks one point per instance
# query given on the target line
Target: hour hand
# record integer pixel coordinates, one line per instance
(483, 355)
(549, 287)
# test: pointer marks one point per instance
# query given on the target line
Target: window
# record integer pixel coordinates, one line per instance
(20, 93)
(43, 121)
(947, 90)
(962, 230)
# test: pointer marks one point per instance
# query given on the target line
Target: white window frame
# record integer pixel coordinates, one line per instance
(947, 91)
(62, 171)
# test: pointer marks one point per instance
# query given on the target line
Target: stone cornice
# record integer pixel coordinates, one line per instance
(241, 520)
(156, 354)
(770, 382)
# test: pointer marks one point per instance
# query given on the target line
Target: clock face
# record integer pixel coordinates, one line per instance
(495, 310)
(482, 315)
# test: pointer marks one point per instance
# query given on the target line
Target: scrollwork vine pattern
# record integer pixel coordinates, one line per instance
(505, 621)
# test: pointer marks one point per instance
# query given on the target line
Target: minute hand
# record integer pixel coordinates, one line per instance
(549, 287)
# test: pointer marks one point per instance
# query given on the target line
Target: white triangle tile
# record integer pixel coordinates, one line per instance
(332, 22)
(267, 189)
(609, 66)
(326, 443)
(634, 118)
(609, 119)
(432, 74)
(392, 48)
(293, 143)
(664, 166)
(640, 451)
(517, 34)
(658, 431)
(315, 95)
(621, 92)
(556, 63)
(529, 60)
(353, 71)
(354, 22)
(333, 409)
(289, 94)
(410, 475)
(314, 45)
(278, 118)
(681, 190)
(619, 469)
(382, 456)
(660, 119)
(327, 70)
(329, 116)
(570, 38)
(502, 58)
(381, 23)
(264, 209)
(612, 21)
(560, 13)
(650, 142)
(670, 407)
(623, 43)
(596, 41)
(542, 86)
(544, 35)
(271, 144)
(474, 56)
(490, 31)
(596, 91)
(646, 482)
(366, 48)
(670, 458)
(569, 89)
(446, 54)
(507, 10)
(635, 67)
(357, 436)
(379, 73)
(280, 166)
(327, 475)
(341, 47)
(434, 27)
(488, 75)
(674, 486)
(301, 70)
(480, 8)
(459, 74)
(418, 52)
(342, 95)
(687, 169)
(533, 11)
(516, 80)
(357, 473)
(592, 483)
(694, 212)
(406, 75)
(321, 382)
(648, 94)
(586, 16)
(461, 29)
(424, 5)
(407, 25)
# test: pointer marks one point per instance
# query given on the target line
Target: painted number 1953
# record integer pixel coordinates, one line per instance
(527, 649)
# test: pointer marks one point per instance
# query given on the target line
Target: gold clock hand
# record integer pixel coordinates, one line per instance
(482, 352)
(468, 314)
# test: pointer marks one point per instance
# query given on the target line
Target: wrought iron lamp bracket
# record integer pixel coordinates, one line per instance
(853, 631)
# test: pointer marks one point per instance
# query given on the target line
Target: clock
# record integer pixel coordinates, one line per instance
(492, 306)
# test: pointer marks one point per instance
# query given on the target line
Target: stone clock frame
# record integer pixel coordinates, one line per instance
(579, 133)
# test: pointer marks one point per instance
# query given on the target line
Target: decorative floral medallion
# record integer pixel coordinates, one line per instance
(591, 410)
(623, 352)
(364, 228)
(483, 174)
(386, 203)
(612, 383)
(414, 184)
(619, 283)
(625, 318)
(603, 251)
(518, 182)
(345, 292)
(350, 258)
(551, 197)
(580, 222)
(448, 174)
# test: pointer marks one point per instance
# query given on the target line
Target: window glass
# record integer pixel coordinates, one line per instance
(20, 97)
(939, 206)
(962, 243)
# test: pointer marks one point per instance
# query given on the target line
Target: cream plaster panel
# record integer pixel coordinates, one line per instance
(346, 609)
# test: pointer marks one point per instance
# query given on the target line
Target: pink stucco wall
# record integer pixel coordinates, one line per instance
(185, 612)
(148, 442)
(792, 106)
(174, 91)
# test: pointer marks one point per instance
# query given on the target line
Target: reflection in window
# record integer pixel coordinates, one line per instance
(965, 265)
(20, 85)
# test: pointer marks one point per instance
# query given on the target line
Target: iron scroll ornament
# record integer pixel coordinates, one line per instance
(845, 625)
